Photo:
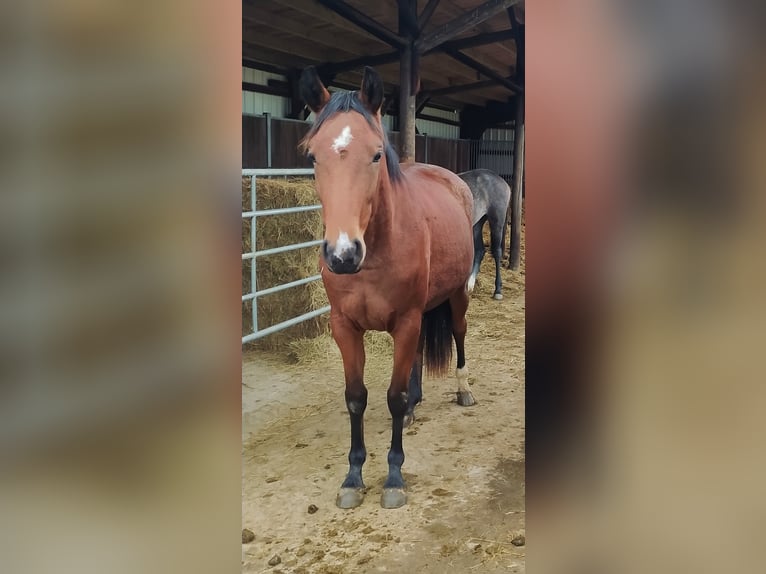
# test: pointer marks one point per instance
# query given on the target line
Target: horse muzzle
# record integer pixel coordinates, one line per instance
(343, 259)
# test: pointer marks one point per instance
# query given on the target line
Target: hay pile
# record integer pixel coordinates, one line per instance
(271, 270)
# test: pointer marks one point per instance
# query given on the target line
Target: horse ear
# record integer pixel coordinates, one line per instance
(312, 90)
(371, 92)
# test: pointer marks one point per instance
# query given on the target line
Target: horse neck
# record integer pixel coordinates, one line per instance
(381, 226)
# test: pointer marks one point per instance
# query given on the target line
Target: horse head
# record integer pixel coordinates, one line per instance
(352, 159)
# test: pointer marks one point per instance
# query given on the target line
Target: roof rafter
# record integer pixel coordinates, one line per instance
(462, 23)
(363, 21)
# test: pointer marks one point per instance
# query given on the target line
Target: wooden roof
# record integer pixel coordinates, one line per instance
(288, 35)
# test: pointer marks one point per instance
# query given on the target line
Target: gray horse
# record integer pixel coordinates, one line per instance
(491, 196)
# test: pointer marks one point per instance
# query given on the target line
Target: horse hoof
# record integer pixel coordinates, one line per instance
(465, 399)
(393, 498)
(349, 497)
(498, 296)
(409, 418)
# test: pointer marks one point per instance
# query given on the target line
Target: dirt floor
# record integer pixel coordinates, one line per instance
(464, 466)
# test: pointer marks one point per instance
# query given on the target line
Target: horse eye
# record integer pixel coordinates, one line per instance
(376, 158)
(311, 157)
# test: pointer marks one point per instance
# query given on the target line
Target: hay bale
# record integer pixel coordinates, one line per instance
(275, 231)
(320, 350)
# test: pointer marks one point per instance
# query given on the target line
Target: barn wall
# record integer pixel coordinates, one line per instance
(498, 134)
(439, 129)
(256, 104)
(444, 147)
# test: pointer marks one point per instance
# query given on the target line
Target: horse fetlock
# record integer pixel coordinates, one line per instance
(464, 396)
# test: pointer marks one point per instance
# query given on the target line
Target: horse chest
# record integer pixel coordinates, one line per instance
(374, 306)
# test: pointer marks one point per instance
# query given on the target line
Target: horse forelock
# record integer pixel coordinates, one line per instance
(341, 102)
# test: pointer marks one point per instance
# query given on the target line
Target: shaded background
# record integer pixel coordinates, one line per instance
(645, 139)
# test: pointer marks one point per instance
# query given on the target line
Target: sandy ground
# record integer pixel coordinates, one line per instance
(464, 465)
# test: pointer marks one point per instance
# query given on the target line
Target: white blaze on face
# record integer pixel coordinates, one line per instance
(342, 141)
(343, 243)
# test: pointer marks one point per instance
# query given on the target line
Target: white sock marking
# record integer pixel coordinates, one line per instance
(342, 141)
(462, 379)
(471, 282)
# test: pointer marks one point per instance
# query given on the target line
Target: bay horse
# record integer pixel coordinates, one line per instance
(396, 257)
(491, 197)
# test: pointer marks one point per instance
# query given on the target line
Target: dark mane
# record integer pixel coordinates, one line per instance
(349, 101)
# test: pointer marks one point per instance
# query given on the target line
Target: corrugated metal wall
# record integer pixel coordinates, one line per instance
(498, 134)
(256, 104)
(438, 129)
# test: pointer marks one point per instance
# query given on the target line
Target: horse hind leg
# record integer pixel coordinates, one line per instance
(459, 306)
(497, 237)
(478, 253)
(406, 337)
(415, 388)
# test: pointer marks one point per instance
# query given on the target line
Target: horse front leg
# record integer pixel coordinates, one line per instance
(406, 336)
(350, 341)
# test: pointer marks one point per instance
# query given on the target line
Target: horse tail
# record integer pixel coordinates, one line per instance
(437, 339)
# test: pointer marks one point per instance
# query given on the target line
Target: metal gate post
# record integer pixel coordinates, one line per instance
(268, 142)
(253, 286)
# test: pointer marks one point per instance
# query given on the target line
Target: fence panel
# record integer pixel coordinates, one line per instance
(253, 214)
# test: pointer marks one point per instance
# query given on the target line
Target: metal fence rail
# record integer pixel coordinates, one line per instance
(253, 255)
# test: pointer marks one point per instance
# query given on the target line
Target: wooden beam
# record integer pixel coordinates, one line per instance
(478, 40)
(463, 23)
(409, 82)
(363, 21)
(391, 57)
(376, 60)
(421, 103)
(426, 14)
(516, 189)
(305, 47)
(255, 20)
(408, 19)
(518, 37)
(263, 67)
(257, 53)
(459, 88)
(406, 107)
(482, 69)
(261, 89)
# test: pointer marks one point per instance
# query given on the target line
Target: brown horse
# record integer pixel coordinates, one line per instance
(396, 257)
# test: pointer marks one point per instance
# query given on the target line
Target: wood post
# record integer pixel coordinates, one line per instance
(518, 180)
(406, 107)
(408, 81)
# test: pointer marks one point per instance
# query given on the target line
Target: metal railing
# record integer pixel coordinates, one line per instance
(254, 254)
